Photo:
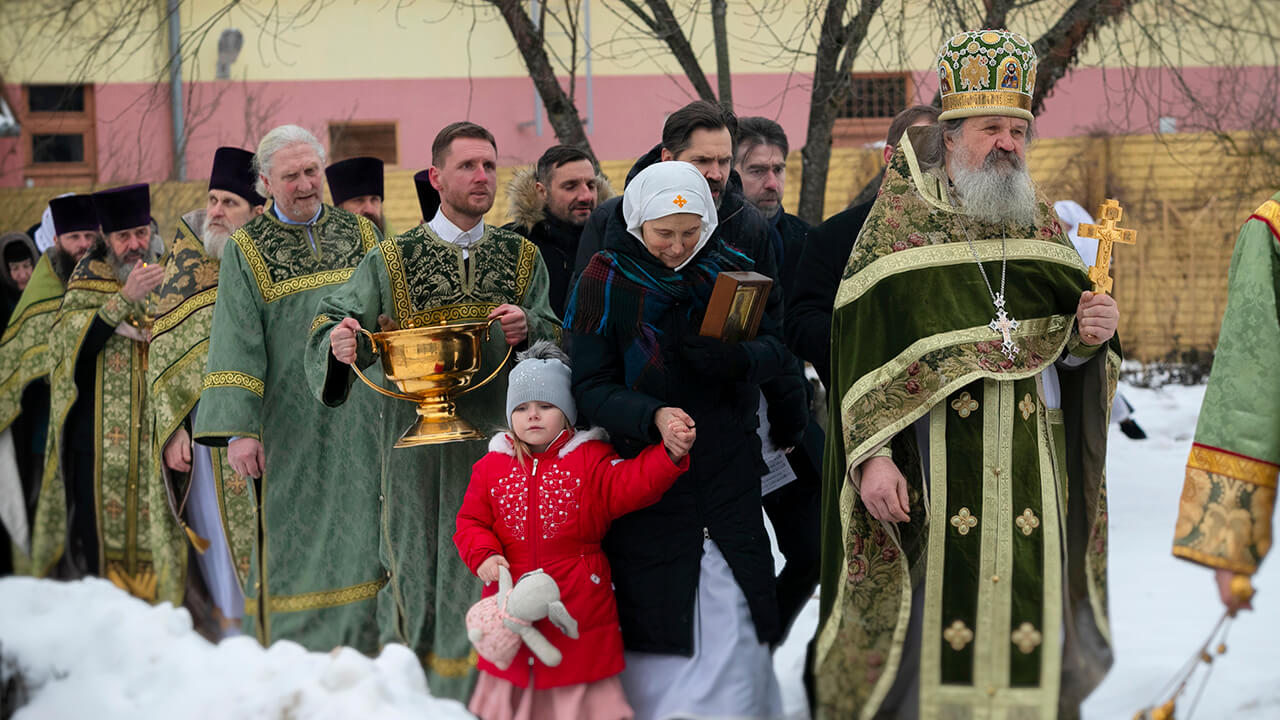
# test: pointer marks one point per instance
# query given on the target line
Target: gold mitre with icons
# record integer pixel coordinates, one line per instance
(986, 72)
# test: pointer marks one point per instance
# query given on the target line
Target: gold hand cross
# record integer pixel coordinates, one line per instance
(1106, 232)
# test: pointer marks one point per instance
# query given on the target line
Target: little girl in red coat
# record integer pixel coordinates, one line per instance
(543, 497)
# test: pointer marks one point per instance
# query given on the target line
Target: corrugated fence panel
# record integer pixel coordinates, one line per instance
(1186, 198)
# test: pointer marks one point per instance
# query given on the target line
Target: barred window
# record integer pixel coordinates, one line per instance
(364, 138)
(876, 96)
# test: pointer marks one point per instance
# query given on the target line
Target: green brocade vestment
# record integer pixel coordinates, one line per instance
(121, 442)
(418, 279)
(315, 572)
(24, 359)
(1229, 494)
(179, 354)
(1002, 486)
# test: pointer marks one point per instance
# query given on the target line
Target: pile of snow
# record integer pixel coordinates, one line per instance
(86, 649)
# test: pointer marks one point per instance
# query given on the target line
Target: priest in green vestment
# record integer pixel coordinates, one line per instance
(964, 501)
(25, 365)
(204, 495)
(452, 267)
(315, 571)
(1229, 495)
(93, 510)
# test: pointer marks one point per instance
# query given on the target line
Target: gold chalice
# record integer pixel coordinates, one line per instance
(432, 366)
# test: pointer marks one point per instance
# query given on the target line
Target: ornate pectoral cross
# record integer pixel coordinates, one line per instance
(1106, 232)
(1005, 325)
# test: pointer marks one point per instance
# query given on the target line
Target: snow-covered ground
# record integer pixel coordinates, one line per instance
(90, 651)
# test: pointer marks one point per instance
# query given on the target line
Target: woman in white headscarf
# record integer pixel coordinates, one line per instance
(1072, 216)
(693, 573)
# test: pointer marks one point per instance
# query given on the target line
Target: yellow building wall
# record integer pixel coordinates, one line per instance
(125, 41)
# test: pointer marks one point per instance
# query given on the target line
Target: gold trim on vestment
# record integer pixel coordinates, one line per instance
(325, 598)
(1053, 541)
(1218, 462)
(1215, 561)
(451, 667)
(957, 253)
(320, 320)
(233, 378)
(1269, 212)
(986, 99)
(39, 308)
(932, 621)
(921, 347)
(174, 317)
(272, 291)
(103, 286)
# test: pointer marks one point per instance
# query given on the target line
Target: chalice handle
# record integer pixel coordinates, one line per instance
(375, 386)
(496, 370)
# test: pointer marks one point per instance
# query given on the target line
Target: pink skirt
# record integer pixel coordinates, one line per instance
(498, 699)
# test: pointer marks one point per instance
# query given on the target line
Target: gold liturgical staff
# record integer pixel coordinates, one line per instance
(1106, 232)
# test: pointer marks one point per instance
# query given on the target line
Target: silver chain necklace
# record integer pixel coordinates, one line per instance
(1002, 324)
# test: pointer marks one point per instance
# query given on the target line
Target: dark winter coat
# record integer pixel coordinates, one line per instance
(810, 301)
(656, 552)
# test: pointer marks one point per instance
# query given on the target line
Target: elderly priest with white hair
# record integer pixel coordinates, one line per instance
(965, 516)
(315, 572)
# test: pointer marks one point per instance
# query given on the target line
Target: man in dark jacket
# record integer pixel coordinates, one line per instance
(808, 326)
(794, 506)
(549, 203)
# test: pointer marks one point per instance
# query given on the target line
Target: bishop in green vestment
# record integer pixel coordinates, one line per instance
(203, 493)
(964, 501)
(94, 490)
(315, 571)
(25, 365)
(436, 273)
(1229, 494)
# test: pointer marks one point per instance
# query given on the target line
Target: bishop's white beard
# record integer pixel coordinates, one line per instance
(998, 191)
(214, 239)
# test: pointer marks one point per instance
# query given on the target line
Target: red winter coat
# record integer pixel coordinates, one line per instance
(551, 513)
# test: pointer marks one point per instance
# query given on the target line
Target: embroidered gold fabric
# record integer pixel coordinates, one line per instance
(324, 598)
(451, 667)
(1026, 638)
(964, 405)
(964, 521)
(232, 378)
(174, 318)
(958, 635)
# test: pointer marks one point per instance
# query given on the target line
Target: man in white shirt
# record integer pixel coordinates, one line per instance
(452, 268)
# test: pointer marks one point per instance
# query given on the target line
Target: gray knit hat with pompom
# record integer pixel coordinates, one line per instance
(541, 374)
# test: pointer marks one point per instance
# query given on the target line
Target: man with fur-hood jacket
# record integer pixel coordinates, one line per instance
(550, 202)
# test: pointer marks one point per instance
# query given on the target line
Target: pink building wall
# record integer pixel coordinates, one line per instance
(134, 138)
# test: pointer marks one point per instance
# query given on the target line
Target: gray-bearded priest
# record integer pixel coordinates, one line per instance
(965, 524)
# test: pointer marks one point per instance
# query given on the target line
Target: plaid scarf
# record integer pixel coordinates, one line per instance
(634, 295)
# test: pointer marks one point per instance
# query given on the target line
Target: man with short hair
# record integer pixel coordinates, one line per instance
(96, 474)
(452, 267)
(549, 203)
(822, 261)
(25, 364)
(196, 483)
(356, 186)
(793, 508)
(315, 573)
(965, 526)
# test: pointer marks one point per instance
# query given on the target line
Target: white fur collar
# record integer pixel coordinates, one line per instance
(501, 442)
